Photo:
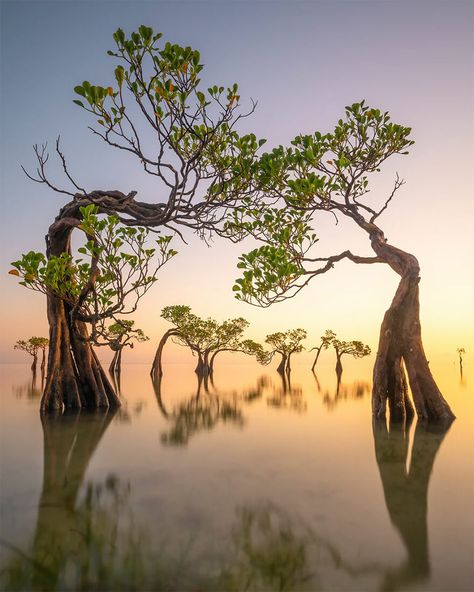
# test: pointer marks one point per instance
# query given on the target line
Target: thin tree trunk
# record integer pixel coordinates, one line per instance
(288, 363)
(113, 363)
(212, 358)
(338, 365)
(318, 351)
(34, 363)
(400, 348)
(157, 367)
(75, 377)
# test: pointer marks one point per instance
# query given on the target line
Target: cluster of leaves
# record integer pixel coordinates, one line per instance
(269, 269)
(207, 336)
(32, 345)
(117, 268)
(354, 348)
(318, 172)
(194, 127)
(288, 342)
(122, 334)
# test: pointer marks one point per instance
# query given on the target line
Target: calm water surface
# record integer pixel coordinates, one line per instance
(249, 483)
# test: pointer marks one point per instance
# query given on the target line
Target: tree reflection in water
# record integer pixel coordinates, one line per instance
(406, 493)
(86, 537)
(30, 390)
(204, 410)
(287, 396)
(345, 392)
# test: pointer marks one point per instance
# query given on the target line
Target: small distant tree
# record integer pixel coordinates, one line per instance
(120, 335)
(461, 352)
(356, 349)
(206, 338)
(286, 344)
(179, 316)
(32, 346)
(326, 341)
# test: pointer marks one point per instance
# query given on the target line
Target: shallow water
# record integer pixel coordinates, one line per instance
(245, 484)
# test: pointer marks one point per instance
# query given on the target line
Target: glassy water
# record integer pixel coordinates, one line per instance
(246, 483)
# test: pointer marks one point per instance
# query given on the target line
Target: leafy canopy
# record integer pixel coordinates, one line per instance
(287, 342)
(317, 173)
(32, 345)
(159, 85)
(118, 266)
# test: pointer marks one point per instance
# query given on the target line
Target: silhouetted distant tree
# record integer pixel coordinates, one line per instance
(461, 352)
(206, 338)
(32, 346)
(122, 334)
(326, 340)
(356, 349)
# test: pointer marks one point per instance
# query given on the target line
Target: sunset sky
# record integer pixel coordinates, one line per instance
(303, 62)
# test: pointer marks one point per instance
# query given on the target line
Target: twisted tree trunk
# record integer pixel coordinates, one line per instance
(75, 376)
(400, 348)
(34, 363)
(338, 365)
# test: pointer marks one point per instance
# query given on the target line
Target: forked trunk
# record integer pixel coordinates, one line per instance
(156, 371)
(400, 348)
(75, 377)
(200, 365)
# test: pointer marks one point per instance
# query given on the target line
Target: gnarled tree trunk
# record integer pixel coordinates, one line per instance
(400, 348)
(75, 377)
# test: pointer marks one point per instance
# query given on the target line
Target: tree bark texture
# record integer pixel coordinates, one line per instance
(401, 348)
(75, 377)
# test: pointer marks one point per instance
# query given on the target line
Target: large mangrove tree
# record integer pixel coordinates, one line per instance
(329, 173)
(155, 109)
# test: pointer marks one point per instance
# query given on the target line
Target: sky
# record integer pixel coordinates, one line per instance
(303, 62)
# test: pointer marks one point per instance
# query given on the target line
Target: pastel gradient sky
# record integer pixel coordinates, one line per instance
(302, 61)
